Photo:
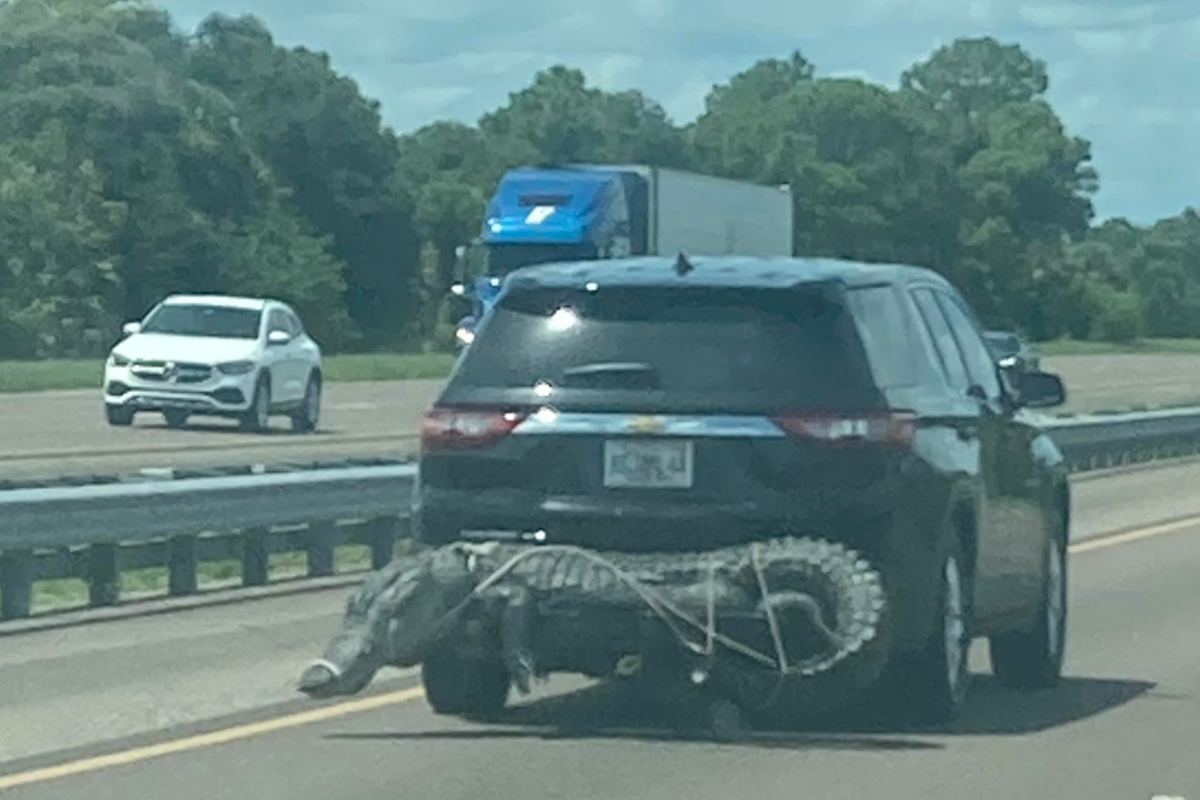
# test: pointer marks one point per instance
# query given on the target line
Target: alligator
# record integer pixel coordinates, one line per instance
(769, 625)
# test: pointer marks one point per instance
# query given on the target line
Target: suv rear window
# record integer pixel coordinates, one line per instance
(795, 347)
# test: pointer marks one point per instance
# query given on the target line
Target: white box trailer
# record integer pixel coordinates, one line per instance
(705, 215)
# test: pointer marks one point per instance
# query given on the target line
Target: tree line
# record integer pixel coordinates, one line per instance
(136, 161)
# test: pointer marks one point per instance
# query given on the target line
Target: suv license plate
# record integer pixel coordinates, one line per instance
(648, 464)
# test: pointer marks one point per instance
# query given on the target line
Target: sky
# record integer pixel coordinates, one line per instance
(1123, 74)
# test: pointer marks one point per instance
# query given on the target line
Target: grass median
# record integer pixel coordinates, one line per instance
(1071, 347)
(61, 374)
(67, 594)
(143, 584)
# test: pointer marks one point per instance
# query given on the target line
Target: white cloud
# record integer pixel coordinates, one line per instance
(1107, 42)
(618, 71)
(1100, 42)
(1073, 15)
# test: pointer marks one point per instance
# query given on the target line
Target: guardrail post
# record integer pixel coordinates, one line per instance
(256, 557)
(382, 536)
(16, 584)
(319, 545)
(104, 575)
(181, 565)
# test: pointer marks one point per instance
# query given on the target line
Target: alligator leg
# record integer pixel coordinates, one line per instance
(515, 624)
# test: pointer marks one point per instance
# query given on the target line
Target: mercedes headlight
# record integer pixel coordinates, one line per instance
(118, 360)
(235, 367)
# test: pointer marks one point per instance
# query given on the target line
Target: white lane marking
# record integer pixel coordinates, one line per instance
(353, 406)
(1135, 535)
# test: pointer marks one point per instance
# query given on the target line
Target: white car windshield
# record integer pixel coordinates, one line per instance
(201, 320)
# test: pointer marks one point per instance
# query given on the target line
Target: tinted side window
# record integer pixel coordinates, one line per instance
(980, 365)
(943, 339)
(277, 321)
(885, 334)
(294, 323)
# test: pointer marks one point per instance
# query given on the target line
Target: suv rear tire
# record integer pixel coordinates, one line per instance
(1033, 658)
(464, 686)
(936, 680)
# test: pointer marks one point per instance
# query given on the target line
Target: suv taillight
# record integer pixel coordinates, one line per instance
(466, 428)
(896, 428)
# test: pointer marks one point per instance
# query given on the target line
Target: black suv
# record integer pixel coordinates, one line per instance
(649, 404)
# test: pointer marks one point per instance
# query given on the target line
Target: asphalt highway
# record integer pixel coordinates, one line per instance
(64, 433)
(59, 433)
(201, 704)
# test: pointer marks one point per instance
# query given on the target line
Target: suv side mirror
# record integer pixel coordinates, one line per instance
(130, 328)
(1040, 389)
(277, 338)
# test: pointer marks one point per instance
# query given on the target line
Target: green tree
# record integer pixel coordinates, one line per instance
(1166, 271)
(326, 143)
(1021, 183)
(560, 119)
(57, 277)
(97, 100)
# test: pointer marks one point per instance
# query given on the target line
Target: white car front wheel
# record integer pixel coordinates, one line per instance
(118, 416)
(258, 416)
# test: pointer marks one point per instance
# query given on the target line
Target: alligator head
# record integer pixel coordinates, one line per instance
(394, 618)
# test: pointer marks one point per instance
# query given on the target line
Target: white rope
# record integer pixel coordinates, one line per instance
(667, 611)
(772, 623)
(662, 607)
(710, 639)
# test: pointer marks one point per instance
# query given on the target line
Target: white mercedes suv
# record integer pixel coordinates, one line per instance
(209, 355)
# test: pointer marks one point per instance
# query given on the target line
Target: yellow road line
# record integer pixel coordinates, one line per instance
(1136, 535)
(393, 698)
(208, 739)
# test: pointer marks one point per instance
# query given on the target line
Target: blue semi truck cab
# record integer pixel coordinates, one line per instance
(578, 212)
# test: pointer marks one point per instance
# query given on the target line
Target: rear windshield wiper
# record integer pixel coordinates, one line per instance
(623, 374)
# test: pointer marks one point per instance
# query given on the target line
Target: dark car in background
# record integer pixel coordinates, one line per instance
(1012, 351)
(634, 405)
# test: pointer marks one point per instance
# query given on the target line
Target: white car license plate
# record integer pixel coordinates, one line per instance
(648, 464)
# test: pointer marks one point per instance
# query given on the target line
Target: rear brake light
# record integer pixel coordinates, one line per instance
(896, 428)
(455, 428)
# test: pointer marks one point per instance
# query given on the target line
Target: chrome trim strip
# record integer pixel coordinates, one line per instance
(548, 422)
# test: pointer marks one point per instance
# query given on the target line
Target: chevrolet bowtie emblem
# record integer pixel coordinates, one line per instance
(647, 424)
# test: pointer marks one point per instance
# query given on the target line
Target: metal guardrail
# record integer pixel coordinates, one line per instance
(94, 527)
(95, 531)
(1118, 438)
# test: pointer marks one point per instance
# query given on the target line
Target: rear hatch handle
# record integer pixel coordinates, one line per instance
(618, 372)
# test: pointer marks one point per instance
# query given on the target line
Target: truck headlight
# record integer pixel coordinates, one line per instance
(465, 335)
(235, 367)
